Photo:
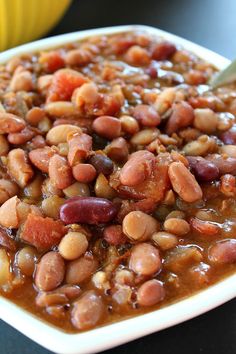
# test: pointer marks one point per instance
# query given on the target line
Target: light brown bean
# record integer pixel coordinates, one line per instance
(81, 269)
(145, 136)
(59, 133)
(145, 259)
(4, 145)
(184, 183)
(177, 226)
(50, 271)
(7, 190)
(60, 172)
(205, 120)
(73, 245)
(10, 123)
(129, 125)
(150, 293)
(22, 81)
(164, 240)
(19, 168)
(60, 109)
(40, 157)
(139, 226)
(107, 127)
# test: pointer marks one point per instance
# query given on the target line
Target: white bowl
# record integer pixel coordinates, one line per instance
(121, 332)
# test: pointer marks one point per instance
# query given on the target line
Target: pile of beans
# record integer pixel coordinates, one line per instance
(117, 179)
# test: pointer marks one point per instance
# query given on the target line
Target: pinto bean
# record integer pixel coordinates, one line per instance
(40, 157)
(7, 190)
(129, 125)
(46, 299)
(59, 134)
(139, 226)
(177, 226)
(150, 293)
(205, 227)
(203, 169)
(118, 150)
(89, 210)
(22, 81)
(79, 148)
(26, 259)
(107, 127)
(60, 172)
(102, 164)
(10, 123)
(223, 252)
(87, 311)
(145, 259)
(73, 245)
(164, 240)
(4, 146)
(137, 168)
(81, 269)
(50, 271)
(114, 235)
(206, 120)
(19, 168)
(146, 115)
(84, 172)
(181, 117)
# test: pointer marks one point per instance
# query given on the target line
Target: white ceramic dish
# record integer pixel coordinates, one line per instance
(114, 334)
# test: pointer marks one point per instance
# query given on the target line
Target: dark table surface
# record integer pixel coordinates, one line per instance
(211, 23)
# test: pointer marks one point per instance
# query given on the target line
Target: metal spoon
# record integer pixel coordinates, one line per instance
(226, 76)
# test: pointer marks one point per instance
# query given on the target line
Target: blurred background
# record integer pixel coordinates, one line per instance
(211, 23)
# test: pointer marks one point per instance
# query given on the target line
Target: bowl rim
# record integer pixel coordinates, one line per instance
(117, 333)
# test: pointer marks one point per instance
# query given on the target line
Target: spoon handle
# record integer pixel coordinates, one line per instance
(226, 76)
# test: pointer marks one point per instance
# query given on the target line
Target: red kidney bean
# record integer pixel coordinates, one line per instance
(137, 168)
(145, 259)
(150, 293)
(102, 164)
(163, 50)
(229, 137)
(223, 252)
(181, 117)
(224, 164)
(87, 310)
(50, 271)
(146, 115)
(203, 169)
(114, 235)
(107, 126)
(88, 210)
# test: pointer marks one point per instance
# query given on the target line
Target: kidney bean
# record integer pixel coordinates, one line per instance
(102, 164)
(73, 245)
(107, 126)
(163, 50)
(205, 227)
(84, 172)
(7, 190)
(129, 125)
(146, 115)
(40, 157)
(6, 241)
(79, 148)
(18, 167)
(145, 259)
(87, 311)
(50, 271)
(4, 146)
(88, 210)
(145, 136)
(10, 123)
(118, 150)
(22, 81)
(229, 137)
(60, 133)
(164, 240)
(60, 109)
(51, 206)
(229, 150)
(225, 164)
(138, 168)
(184, 183)
(177, 226)
(81, 269)
(26, 259)
(60, 172)
(223, 252)
(203, 169)
(139, 226)
(21, 138)
(137, 55)
(150, 293)
(181, 117)
(102, 188)
(206, 120)
(114, 235)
